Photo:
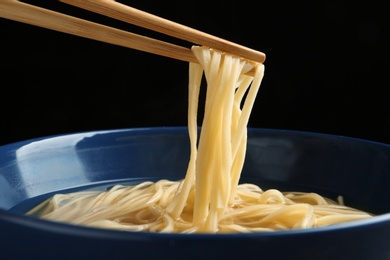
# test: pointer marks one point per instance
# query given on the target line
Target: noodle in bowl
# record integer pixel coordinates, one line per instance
(33, 170)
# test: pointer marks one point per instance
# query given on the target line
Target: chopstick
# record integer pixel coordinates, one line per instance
(128, 14)
(41, 17)
(38, 16)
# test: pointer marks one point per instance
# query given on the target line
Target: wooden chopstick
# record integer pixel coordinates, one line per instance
(131, 15)
(34, 15)
(41, 17)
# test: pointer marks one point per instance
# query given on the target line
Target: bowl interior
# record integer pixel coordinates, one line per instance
(286, 160)
(34, 169)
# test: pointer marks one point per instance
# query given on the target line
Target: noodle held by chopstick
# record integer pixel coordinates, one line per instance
(209, 199)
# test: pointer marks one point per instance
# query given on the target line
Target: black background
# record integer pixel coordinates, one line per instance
(326, 70)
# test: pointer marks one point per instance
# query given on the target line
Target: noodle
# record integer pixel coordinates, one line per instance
(209, 199)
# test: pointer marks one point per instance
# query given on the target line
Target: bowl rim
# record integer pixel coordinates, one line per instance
(184, 128)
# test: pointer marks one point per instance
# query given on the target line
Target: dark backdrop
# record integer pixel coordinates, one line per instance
(326, 70)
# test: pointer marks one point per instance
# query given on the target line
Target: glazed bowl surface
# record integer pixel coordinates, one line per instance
(32, 170)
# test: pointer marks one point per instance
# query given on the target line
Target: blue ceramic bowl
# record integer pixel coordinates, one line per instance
(32, 170)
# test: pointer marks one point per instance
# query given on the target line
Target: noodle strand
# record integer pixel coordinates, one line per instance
(209, 199)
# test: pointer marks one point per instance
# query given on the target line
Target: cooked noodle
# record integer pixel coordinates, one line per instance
(209, 199)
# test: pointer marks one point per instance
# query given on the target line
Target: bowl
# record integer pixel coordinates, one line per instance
(32, 170)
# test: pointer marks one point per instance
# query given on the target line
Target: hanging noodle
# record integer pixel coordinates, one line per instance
(209, 199)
